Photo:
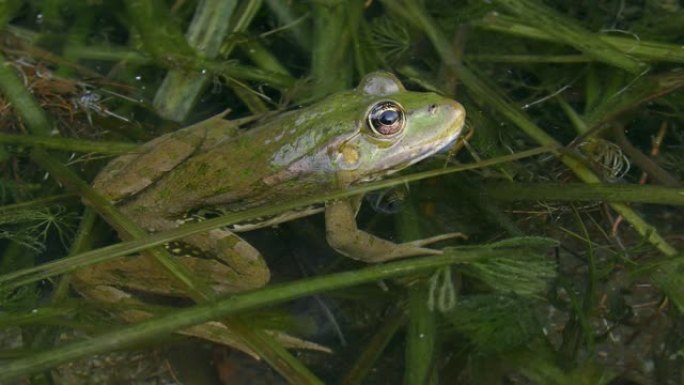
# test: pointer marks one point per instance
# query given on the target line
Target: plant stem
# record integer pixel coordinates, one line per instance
(635, 193)
(68, 144)
(570, 32)
(24, 104)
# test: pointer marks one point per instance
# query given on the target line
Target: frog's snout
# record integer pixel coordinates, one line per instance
(456, 112)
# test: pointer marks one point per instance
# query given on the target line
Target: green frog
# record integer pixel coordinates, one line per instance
(347, 138)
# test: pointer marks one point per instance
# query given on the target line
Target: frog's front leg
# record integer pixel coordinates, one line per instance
(344, 236)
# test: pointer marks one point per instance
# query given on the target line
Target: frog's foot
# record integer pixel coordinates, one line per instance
(435, 239)
(345, 237)
(414, 248)
(215, 332)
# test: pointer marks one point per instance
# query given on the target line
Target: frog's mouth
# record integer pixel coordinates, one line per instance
(397, 162)
(412, 154)
(417, 143)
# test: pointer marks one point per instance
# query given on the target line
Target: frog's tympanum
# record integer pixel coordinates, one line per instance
(347, 138)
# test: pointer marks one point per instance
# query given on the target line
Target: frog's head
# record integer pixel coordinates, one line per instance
(397, 129)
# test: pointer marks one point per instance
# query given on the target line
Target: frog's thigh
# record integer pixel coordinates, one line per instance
(137, 272)
(344, 236)
(247, 266)
(143, 273)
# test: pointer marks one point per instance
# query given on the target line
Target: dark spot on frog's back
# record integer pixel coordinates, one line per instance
(165, 194)
(202, 168)
(147, 172)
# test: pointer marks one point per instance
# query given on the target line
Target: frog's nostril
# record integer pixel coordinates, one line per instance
(432, 109)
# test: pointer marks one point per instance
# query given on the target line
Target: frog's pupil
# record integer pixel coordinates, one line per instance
(388, 117)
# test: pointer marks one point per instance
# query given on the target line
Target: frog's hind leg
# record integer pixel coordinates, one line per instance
(143, 273)
(133, 310)
(224, 260)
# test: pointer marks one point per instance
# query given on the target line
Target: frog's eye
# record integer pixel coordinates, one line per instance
(386, 119)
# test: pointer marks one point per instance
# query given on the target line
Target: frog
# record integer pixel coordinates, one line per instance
(345, 139)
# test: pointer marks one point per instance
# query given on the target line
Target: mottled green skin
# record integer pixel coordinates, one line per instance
(214, 165)
(295, 154)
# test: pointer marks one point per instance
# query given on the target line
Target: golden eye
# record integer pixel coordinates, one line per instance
(387, 119)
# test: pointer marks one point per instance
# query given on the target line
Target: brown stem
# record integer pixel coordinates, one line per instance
(645, 163)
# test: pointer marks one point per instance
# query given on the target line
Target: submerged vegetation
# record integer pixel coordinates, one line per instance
(567, 183)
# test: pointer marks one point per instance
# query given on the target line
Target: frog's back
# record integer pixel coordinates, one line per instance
(285, 157)
(131, 173)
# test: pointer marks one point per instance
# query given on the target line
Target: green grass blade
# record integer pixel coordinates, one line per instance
(633, 193)
(572, 33)
(22, 101)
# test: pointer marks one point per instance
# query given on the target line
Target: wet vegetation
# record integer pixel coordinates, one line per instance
(567, 183)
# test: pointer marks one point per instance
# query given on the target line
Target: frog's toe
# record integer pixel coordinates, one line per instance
(437, 238)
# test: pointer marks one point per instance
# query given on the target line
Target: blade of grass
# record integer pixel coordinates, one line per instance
(162, 36)
(572, 33)
(635, 193)
(291, 23)
(227, 69)
(65, 265)
(166, 44)
(38, 316)
(366, 360)
(22, 101)
(26, 40)
(513, 58)
(180, 89)
(330, 64)
(7, 10)
(158, 30)
(643, 49)
(419, 357)
(263, 58)
(83, 241)
(36, 203)
(421, 333)
(642, 90)
(69, 144)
